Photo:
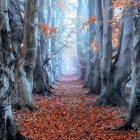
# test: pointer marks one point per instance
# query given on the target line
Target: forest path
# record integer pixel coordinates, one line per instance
(65, 116)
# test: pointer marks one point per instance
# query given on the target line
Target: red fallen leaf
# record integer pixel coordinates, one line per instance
(66, 116)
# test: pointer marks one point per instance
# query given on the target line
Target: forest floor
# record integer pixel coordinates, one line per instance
(64, 116)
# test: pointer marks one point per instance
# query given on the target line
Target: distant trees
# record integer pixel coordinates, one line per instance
(81, 13)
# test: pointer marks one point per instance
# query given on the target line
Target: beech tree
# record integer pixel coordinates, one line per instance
(47, 69)
(96, 83)
(41, 75)
(33, 35)
(16, 31)
(134, 111)
(115, 72)
(92, 36)
(119, 72)
(81, 37)
(28, 55)
(8, 129)
(106, 58)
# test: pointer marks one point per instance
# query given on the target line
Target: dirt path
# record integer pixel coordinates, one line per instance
(65, 116)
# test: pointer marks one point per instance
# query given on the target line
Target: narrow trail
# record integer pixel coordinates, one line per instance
(65, 116)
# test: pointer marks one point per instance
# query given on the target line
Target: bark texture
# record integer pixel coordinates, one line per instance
(28, 55)
(115, 74)
(8, 129)
(134, 113)
(47, 67)
(96, 82)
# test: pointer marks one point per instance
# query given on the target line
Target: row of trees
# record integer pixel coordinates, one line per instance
(109, 67)
(27, 59)
(30, 61)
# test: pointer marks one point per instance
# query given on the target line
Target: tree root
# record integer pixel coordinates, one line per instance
(32, 108)
(108, 101)
(126, 126)
(49, 93)
(25, 108)
(12, 131)
(84, 86)
(93, 92)
(89, 105)
(52, 88)
(90, 92)
(19, 136)
(98, 102)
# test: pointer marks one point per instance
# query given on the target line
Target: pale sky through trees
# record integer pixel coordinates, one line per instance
(70, 52)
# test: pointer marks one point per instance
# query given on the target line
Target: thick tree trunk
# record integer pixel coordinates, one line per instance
(8, 129)
(96, 80)
(27, 55)
(43, 75)
(106, 59)
(134, 113)
(17, 38)
(92, 36)
(120, 69)
(105, 53)
(96, 83)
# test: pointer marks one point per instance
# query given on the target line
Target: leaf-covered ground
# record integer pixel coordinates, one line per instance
(65, 116)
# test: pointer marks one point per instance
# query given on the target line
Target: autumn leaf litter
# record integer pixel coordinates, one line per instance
(66, 116)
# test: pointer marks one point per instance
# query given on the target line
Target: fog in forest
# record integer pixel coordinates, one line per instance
(69, 69)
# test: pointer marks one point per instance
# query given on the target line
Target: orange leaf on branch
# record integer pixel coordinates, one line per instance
(60, 3)
(46, 30)
(89, 20)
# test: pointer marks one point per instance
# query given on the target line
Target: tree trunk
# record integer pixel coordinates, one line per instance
(120, 69)
(27, 55)
(80, 37)
(87, 59)
(106, 50)
(16, 28)
(96, 83)
(43, 75)
(8, 129)
(134, 113)
(92, 36)
(96, 80)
